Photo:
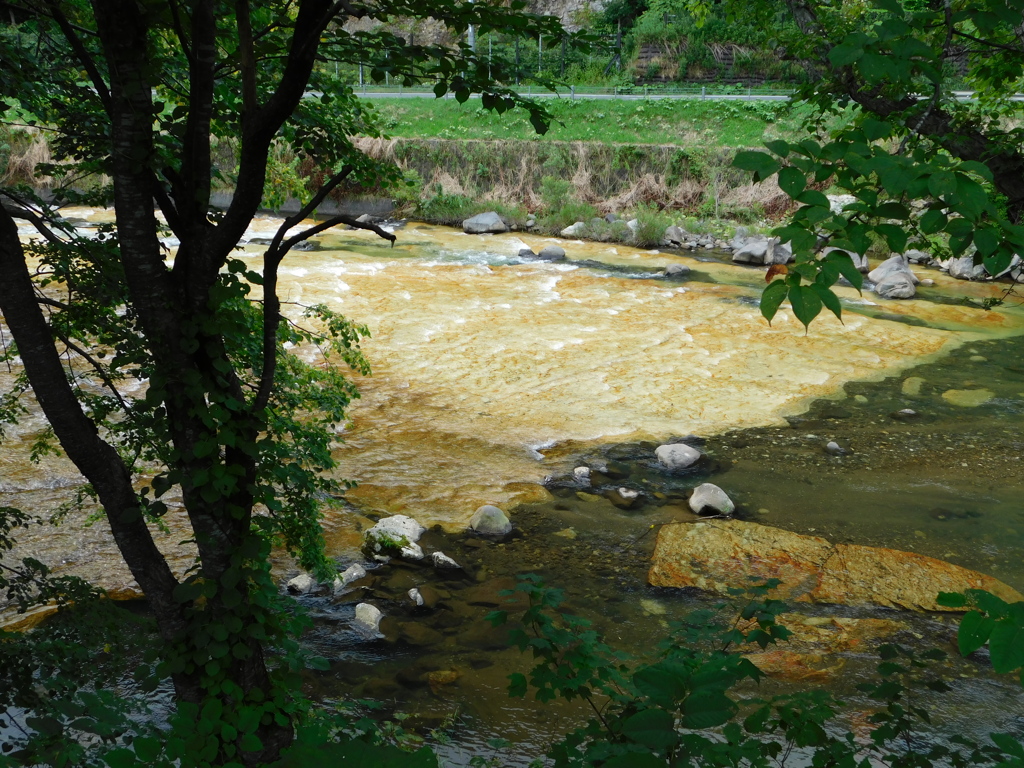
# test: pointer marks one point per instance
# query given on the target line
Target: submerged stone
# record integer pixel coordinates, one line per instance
(967, 398)
(488, 520)
(717, 556)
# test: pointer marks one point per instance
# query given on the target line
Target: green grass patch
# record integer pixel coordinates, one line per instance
(653, 121)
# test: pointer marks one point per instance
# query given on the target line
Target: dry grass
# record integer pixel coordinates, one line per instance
(766, 194)
(648, 189)
(29, 150)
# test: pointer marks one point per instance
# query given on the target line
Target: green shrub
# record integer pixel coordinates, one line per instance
(571, 211)
(652, 224)
(452, 210)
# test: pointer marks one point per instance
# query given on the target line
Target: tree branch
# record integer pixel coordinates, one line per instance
(272, 304)
(24, 212)
(88, 63)
(246, 59)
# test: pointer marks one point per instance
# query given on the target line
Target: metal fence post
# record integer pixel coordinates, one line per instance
(572, 93)
(703, 93)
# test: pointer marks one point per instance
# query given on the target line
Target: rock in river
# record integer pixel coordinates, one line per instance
(709, 499)
(368, 620)
(723, 554)
(551, 253)
(490, 521)
(896, 285)
(393, 535)
(483, 223)
(895, 263)
(677, 455)
(302, 584)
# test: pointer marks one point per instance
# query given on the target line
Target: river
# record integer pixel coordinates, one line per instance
(494, 377)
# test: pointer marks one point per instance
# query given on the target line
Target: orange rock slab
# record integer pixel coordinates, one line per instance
(720, 555)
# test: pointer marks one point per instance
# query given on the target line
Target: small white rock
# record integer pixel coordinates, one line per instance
(677, 455)
(834, 448)
(708, 496)
(302, 584)
(353, 573)
(582, 474)
(415, 596)
(368, 620)
(441, 561)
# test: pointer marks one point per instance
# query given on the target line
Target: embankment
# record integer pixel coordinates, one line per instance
(611, 177)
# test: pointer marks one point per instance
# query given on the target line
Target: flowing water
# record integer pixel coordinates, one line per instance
(493, 377)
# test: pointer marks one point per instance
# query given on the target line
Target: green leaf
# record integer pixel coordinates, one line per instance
(707, 709)
(634, 760)
(932, 221)
(892, 211)
(846, 267)
(1006, 644)
(147, 748)
(517, 685)
(664, 683)
(971, 197)
(986, 239)
(250, 742)
(772, 297)
(895, 236)
(654, 728)
(814, 197)
(792, 181)
(806, 304)
(942, 183)
(845, 54)
(120, 758)
(875, 129)
(829, 299)
(779, 147)
(952, 600)
(762, 164)
(1008, 744)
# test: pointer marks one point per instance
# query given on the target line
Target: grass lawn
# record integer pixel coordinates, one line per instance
(664, 121)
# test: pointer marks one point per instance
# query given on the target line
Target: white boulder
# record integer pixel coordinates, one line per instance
(397, 534)
(895, 285)
(484, 223)
(302, 584)
(895, 263)
(753, 251)
(488, 520)
(367, 620)
(964, 268)
(573, 230)
(709, 499)
(353, 573)
(677, 455)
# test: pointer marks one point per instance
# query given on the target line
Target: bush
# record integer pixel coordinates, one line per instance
(571, 211)
(652, 223)
(452, 210)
